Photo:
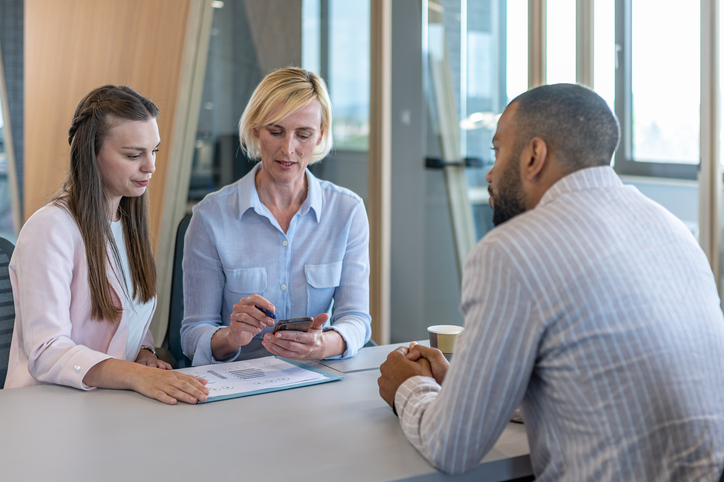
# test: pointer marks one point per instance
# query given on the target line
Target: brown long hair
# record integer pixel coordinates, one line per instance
(83, 195)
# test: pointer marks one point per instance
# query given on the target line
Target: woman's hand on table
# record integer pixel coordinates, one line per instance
(171, 387)
(245, 322)
(147, 358)
(167, 386)
(313, 344)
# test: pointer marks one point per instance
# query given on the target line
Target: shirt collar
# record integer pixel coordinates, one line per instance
(252, 201)
(601, 177)
(314, 197)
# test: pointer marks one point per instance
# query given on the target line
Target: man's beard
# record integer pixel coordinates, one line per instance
(510, 200)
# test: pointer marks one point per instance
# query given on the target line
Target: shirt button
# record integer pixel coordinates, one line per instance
(285, 243)
(76, 368)
(283, 287)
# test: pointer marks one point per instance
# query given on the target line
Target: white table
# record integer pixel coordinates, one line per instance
(369, 358)
(334, 431)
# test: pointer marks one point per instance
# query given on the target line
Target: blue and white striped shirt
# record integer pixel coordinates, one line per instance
(599, 312)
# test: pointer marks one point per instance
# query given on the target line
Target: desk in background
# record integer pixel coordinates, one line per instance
(335, 431)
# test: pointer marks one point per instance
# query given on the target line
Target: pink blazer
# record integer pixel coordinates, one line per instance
(54, 339)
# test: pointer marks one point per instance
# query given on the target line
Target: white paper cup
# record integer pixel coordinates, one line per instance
(443, 338)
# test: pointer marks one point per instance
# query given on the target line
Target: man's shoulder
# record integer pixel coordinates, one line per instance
(526, 227)
(602, 230)
(507, 245)
(583, 213)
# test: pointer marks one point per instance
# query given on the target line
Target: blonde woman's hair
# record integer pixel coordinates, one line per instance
(289, 89)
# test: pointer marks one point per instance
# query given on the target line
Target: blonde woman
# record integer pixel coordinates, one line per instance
(83, 273)
(278, 239)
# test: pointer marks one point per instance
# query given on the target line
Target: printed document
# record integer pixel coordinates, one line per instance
(259, 375)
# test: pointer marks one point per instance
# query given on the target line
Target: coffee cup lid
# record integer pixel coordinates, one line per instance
(445, 329)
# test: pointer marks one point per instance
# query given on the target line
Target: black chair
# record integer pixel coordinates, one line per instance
(176, 312)
(7, 307)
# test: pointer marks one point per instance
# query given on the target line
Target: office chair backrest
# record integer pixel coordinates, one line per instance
(176, 312)
(7, 307)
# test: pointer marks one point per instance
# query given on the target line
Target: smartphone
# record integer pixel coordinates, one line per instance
(294, 324)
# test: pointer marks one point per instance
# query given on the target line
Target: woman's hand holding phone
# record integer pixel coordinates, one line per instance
(314, 344)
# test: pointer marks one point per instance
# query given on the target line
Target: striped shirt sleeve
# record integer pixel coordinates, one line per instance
(453, 426)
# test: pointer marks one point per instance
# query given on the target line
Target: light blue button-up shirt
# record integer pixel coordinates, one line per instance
(234, 248)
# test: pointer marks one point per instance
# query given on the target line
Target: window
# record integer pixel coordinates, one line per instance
(561, 41)
(336, 45)
(650, 78)
(604, 50)
(658, 87)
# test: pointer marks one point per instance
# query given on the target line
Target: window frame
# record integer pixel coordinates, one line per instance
(624, 164)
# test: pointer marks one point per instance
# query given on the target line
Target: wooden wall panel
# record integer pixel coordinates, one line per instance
(73, 46)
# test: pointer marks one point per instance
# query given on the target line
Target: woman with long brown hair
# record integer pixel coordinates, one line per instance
(83, 272)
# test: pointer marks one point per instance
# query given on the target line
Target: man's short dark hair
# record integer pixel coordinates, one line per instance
(576, 124)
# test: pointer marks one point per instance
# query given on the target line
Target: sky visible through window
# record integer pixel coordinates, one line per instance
(517, 48)
(665, 81)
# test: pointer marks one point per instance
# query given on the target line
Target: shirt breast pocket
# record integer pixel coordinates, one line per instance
(245, 282)
(322, 280)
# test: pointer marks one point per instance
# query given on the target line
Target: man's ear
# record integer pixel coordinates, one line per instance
(535, 157)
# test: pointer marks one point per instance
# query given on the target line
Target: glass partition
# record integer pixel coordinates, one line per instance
(477, 58)
(336, 45)
(348, 72)
(328, 37)
(242, 50)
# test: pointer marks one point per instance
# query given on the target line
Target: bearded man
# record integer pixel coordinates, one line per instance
(589, 305)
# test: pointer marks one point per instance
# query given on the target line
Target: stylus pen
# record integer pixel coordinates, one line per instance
(266, 312)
